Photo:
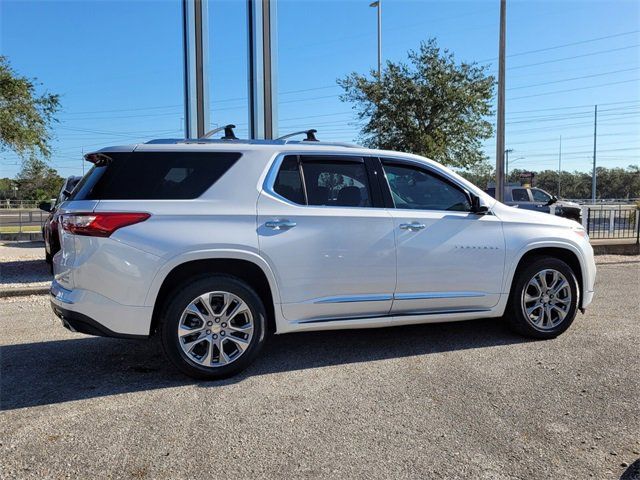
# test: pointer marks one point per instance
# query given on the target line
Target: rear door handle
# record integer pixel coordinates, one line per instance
(280, 224)
(414, 226)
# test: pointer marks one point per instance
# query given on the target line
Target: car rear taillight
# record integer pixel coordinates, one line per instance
(99, 224)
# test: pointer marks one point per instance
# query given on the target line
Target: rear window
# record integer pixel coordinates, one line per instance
(154, 175)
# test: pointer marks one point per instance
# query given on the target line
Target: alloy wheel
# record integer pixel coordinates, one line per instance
(215, 329)
(546, 299)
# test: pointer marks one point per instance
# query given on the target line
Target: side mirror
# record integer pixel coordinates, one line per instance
(477, 206)
(45, 206)
(553, 200)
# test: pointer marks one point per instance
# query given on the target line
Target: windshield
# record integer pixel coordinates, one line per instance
(540, 195)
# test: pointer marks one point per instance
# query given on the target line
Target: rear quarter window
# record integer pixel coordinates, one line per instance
(155, 175)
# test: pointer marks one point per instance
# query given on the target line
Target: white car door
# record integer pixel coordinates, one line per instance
(326, 234)
(448, 258)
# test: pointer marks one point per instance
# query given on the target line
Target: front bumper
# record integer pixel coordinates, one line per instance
(89, 312)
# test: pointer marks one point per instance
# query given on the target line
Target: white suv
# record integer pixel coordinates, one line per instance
(214, 243)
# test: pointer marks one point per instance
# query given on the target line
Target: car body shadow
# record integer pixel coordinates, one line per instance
(52, 372)
(632, 472)
(27, 244)
(24, 271)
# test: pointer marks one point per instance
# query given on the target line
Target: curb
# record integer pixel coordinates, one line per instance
(24, 291)
(616, 249)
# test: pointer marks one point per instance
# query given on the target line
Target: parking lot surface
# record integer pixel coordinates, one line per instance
(464, 400)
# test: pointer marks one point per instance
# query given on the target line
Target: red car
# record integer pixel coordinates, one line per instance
(50, 226)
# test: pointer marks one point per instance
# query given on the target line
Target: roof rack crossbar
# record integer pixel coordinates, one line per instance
(311, 135)
(228, 133)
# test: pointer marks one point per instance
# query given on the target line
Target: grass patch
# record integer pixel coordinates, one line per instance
(16, 229)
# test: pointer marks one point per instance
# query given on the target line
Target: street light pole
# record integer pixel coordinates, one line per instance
(500, 120)
(595, 138)
(378, 4)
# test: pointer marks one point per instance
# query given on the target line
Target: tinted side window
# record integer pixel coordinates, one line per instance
(336, 183)
(540, 196)
(288, 183)
(414, 188)
(155, 175)
(520, 195)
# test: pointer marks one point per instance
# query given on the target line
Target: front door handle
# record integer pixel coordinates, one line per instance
(413, 226)
(280, 224)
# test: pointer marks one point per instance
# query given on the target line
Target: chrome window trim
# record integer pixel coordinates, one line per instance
(430, 169)
(270, 178)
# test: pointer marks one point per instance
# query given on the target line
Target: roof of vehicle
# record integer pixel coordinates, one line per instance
(274, 146)
(252, 145)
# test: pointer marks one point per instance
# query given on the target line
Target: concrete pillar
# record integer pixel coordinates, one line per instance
(195, 30)
(262, 69)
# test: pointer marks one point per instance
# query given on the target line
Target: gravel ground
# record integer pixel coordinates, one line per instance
(22, 265)
(14, 251)
(464, 400)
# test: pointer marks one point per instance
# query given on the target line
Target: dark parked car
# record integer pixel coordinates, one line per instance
(531, 198)
(50, 226)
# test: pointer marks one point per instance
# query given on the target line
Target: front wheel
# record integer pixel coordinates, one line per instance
(213, 327)
(544, 299)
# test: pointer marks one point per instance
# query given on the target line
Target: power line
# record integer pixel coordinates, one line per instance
(574, 78)
(573, 57)
(574, 106)
(574, 89)
(555, 47)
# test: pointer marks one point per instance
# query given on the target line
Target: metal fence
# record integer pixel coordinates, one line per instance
(9, 203)
(26, 224)
(612, 221)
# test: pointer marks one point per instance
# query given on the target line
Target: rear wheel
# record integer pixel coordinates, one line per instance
(544, 299)
(213, 327)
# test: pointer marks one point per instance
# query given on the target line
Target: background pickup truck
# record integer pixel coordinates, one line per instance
(537, 199)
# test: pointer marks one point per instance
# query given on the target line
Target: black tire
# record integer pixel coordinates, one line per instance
(182, 296)
(514, 313)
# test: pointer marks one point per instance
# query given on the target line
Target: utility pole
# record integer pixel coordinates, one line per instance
(595, 136)
(378, 4)
(559, 165)
(506, 161)
(500, 120)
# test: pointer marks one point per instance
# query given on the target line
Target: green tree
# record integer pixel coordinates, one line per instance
(6, 188)
(480, 174)
(38, 181)
(620, 183)
(430, 106)
(25, 116)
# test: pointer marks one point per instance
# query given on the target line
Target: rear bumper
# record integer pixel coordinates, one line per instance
(80, 323)
(89, 312)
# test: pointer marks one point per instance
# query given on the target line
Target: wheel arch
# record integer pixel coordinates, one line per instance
(245, 266)
(562, 251)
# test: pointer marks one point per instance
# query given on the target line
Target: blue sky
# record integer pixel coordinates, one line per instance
(118, 67)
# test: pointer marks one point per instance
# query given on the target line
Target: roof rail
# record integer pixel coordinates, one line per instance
(311, 135)
(228, 133)
(278, 141)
